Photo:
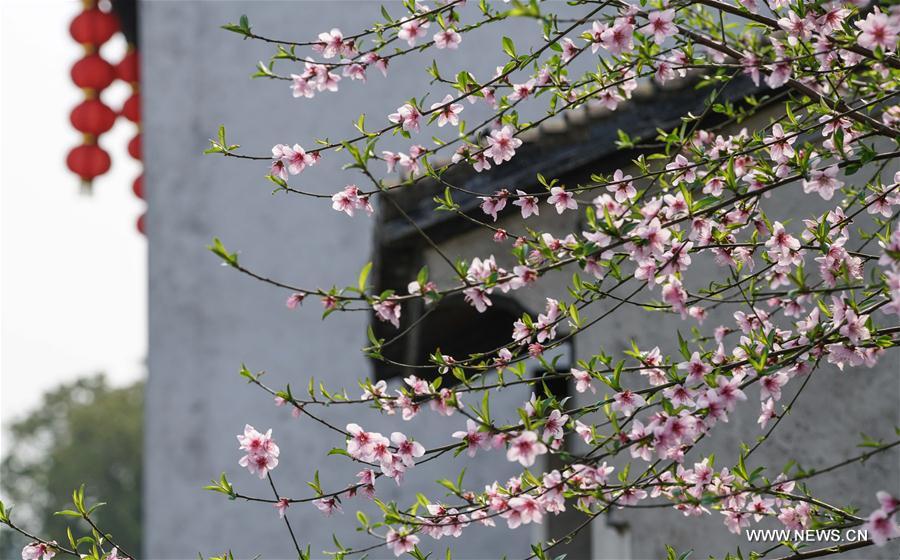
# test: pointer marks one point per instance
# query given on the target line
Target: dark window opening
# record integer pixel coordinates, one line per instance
(452, 326)
(459, 331)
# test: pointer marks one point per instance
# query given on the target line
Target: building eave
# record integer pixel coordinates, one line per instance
(562, 147)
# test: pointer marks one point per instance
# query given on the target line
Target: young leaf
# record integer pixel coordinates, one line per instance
(364, 276)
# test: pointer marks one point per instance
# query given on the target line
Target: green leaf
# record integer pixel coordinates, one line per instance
(363, 520)
(71, 538)
(486, 408)
(361, 123)
(741, 469)
(364, 276)
(422, 276)
(219, 250)
(95, 506)
(509, 47)
(241, 28)
(247, 373)
(67, 513)
(624, 141)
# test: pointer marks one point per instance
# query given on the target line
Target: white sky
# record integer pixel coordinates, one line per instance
(72, 267)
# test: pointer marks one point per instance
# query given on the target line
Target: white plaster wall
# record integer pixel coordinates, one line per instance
(205, 320)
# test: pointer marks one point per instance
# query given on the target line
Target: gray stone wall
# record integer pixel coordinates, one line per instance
(824, 427)
(206, 320)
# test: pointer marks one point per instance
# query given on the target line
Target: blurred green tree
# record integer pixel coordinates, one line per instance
(83, 432)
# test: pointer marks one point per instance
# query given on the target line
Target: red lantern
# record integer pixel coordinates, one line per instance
(131, 110)
(94, 27)
(134, 147)
(92, 72)
(138, 187)
(88, 161)
(92, 117)
(127, 68)
(140, 224)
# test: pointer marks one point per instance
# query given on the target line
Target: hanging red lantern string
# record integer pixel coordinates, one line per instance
(92, 28)
(93, 74)
(128, 70)
(134, 147)
(131, 109)
(88, 161)
(92, 117)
